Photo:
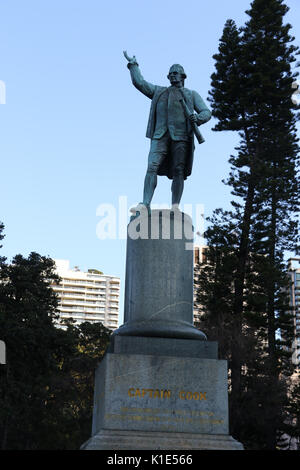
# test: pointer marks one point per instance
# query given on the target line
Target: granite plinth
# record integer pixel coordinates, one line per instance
(160, 402)
(164, 347)
(161, 393)
(160, 328)
(158, 386)
(138, 440)
(159, 277)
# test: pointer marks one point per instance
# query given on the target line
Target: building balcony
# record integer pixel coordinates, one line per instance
(68, 288)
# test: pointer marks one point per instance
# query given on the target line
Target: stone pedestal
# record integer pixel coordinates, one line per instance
(159, 277)
(160, 400)
(160, 384)
(139, 440)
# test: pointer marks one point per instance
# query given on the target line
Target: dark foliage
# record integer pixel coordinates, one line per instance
(243, 287)
(46, 387)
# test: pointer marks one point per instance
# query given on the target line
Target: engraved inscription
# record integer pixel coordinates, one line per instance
(178, 411)
(156, 393)
(192, 396)
(149, 392)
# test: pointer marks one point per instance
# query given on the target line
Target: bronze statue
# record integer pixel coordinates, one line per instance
(171, 127)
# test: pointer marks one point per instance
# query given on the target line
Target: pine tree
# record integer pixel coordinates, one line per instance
(27, 308)
(47, 384)
(251, 94)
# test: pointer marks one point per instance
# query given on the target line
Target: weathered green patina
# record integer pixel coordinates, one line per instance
(174, 116)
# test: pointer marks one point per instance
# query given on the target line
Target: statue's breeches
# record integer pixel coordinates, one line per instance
(175, 151)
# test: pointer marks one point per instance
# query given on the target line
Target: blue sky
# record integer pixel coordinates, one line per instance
(73, 126)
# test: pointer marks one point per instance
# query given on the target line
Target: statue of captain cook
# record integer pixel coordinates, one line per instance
(171, 128)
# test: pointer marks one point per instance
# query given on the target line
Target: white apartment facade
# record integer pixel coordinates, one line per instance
(294, 272)
(199, 257)
(87, 296)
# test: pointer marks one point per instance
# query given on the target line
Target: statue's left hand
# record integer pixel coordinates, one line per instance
(193, 118)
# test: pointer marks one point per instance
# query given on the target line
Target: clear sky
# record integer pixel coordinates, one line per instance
(72, 131)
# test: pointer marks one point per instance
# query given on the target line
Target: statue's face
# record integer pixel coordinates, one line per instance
(175, 75)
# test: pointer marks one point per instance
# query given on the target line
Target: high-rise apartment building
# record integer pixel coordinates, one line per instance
(199, 257)
(294, 272)
(87, 296)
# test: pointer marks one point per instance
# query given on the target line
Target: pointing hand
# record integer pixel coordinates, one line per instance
(131, 60)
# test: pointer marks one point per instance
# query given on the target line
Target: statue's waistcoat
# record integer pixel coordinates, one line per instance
(167, 113)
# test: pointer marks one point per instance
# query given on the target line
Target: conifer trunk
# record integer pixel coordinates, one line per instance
(273, 374)
(239, 283)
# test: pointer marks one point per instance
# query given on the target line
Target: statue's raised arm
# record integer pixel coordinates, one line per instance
(137, 79)
(131, 60)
